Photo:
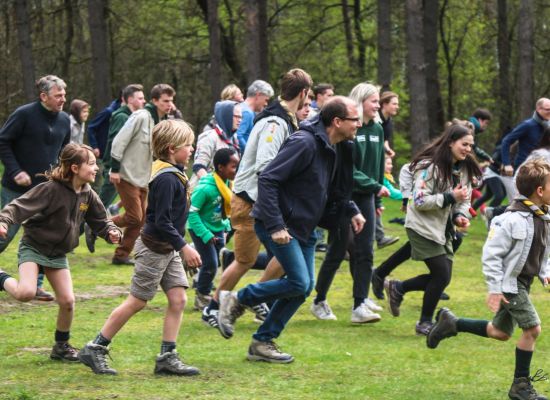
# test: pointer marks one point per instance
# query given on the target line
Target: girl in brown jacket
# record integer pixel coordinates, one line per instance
(51, 214)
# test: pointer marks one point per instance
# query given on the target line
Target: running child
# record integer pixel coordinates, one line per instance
(157, 254)
(515, 253)
(52, 213)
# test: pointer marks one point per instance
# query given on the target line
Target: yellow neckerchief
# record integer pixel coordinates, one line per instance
(289, 112)
(160, 167)
(389, 177)
(225, 191)
(541, 212)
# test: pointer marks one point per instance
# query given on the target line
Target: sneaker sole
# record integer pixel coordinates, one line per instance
(251, 357)
(166, 373)
(370, 321)
(59, 358)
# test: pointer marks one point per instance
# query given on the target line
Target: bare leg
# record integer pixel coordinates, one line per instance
(62, 284)
(496, 333)
(274, 270)
(231, 277)
(174, 313)
(25, 289)
(528, 338)
(121, 315)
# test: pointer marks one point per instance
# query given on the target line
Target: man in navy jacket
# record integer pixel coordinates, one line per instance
(292, 194)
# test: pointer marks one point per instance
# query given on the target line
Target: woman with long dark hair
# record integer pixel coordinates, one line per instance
(443, 173)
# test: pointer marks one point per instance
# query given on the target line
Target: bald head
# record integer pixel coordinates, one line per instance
(341, 118)
(543, 108)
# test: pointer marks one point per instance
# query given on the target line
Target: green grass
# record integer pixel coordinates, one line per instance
(334, 360)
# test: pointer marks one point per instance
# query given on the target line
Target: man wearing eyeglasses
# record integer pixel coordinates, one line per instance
(292, 194)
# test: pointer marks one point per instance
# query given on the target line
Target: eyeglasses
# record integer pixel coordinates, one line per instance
(237, 116)
(356, 119)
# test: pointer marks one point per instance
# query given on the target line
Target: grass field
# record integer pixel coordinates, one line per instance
(334, 360)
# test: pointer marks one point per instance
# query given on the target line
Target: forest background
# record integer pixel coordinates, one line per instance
(443, 57)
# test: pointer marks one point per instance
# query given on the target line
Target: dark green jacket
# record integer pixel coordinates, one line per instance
(368, 168)
(117, 121)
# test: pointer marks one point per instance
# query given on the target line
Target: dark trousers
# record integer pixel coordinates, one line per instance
(493, 189)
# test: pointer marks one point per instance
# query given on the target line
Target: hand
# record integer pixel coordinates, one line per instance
(494, 300)
(384, 192)
(22, 179)
(114, 177)
(460, 193)
(3, 231)
(281, 237)
(491, 161)
(358, 222)
(462, 222)
(379, 211)
(508, 170)
(545, 281)
(213, 241)
(390, 152)
(114, 236)
(96, 152)
(191, 256)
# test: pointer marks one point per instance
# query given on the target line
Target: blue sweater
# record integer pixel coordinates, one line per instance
(528, 134)
(30, 141)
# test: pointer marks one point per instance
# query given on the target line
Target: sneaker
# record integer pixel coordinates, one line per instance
(267, 351)
(423, 328)
(225, 256)
(444, 296)
(362, 315)
(90, 237)
(94, 356)
(387, 241)
(522, 389)
(394, 297)
(42, 295)
(444, 327)
(201, 301)
(169, 363)
(113, 209)
(321, 248)
(64, 351)
(210, 318)
(323, 311)
(230, 310)
(377, 286)
(371, 305)
(260, 312)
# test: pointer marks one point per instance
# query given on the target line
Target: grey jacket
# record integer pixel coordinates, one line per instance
(506, 249)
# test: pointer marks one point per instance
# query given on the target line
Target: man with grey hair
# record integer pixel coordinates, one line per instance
(30, 143)
(257, 96)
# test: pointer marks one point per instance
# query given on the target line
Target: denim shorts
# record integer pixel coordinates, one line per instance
(154, 269)
(519, 310)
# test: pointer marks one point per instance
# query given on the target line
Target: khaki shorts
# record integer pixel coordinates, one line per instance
(245, 242)
(152, 269)
(518, 311)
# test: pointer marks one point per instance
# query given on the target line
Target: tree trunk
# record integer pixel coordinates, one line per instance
(69, 30)
(526, 43)
(97, 14)
(361, 42)
(252, 40)
(348, 34)
(416, 75)
(214, 71)
(436, 114)
(384, 44)
(503, 48)
(263, 40)
(25, 49)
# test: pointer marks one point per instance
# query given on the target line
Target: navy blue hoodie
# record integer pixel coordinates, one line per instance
(293, 188)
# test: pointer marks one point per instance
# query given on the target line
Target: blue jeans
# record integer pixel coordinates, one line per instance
(209, 256)
(287, 293)
(6, 197)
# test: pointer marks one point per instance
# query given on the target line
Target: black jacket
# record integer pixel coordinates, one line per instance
(293, 189)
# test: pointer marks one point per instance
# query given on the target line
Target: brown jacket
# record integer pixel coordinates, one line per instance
(51, 214)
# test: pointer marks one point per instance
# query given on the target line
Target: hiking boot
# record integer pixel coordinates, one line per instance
(377, 286)
(522, 389)
(226, 257)
(210, 318)
(267, 351)
(94, 356)
(395, 298)
(90, 237)
(230, 310)
(423, 328)
(387, 241)
(201, 301)
(444, 327)
(260, 312)
(169, 363)
(42, 295)
(363, 315)
(323, 311)
(444, 296)
(64, 351)
(371, 305)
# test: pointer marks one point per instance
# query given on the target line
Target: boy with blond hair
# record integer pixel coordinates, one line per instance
(516, 251)
(158, 249)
